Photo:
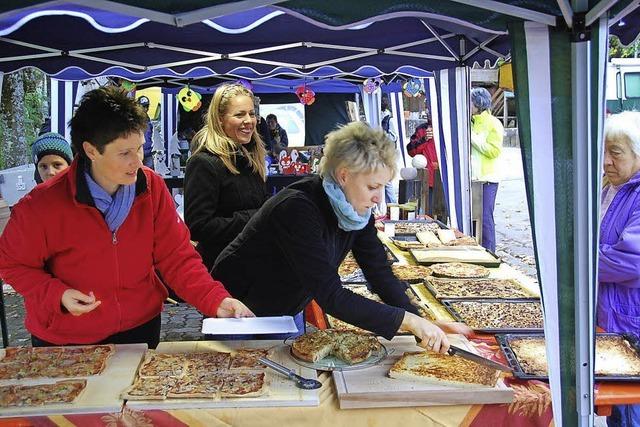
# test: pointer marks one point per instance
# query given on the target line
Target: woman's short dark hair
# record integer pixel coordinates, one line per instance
(105, 114)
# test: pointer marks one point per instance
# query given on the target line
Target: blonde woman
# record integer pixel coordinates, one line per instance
(305, 231)
(224, 182)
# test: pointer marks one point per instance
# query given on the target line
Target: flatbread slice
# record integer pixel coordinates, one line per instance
(436, 368)
(204, 385)
(150, 388)
(314, 346)
(429, 239)
(446, 236)
(243, 385)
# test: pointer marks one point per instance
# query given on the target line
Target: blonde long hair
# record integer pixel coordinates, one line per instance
(213, 139)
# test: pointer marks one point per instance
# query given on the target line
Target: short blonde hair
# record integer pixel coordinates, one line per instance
(359, 148)
(624, 126)
(213, 139)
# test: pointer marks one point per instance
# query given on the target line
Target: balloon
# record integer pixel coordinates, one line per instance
(189, 99)
(419, 161)
(412, 87)
(371, 85)
(305, 95)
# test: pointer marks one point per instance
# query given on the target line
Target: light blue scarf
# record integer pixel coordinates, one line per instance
(348, 218)
(115, 209)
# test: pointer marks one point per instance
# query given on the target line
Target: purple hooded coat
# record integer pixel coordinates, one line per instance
(619, 264)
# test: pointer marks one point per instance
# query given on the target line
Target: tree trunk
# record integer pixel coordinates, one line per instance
(14, 149)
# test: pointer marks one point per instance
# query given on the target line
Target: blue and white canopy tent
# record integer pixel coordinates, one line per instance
(559, 55)
(256, 44)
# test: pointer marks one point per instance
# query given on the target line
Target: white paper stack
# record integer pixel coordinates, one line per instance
(249, 325)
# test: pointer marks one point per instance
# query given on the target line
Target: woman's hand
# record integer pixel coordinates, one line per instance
(430, 336)
(454, 328)
(231, 307)
(77, 303)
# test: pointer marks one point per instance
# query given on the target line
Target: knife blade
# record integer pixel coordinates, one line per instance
(457, 351)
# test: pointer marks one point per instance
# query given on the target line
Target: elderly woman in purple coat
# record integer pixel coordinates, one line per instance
(619, 264)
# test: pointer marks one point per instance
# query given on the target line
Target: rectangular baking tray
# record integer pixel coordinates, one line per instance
(328, 321)
(518, 372)
(453, 249)
(447, 305)
(433, 291)
(414, 221)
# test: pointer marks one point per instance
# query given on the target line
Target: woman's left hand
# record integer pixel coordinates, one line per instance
(231, 307)
(454, 328)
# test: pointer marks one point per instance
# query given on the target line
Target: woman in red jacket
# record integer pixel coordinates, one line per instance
(83, 248)
(422, 143)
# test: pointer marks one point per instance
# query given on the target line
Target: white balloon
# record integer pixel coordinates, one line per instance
(419, 161)
(408, 174)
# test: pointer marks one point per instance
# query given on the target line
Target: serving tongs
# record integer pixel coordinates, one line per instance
(301, 382)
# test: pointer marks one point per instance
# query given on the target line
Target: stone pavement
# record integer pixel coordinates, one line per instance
(181, 322)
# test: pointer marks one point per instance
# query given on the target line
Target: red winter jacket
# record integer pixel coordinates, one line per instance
(56, 239)
(422, 143)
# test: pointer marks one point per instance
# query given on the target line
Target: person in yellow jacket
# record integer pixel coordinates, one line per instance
(486, 145)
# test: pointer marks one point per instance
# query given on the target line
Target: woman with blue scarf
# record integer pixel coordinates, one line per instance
(84, 247)
(305, 231)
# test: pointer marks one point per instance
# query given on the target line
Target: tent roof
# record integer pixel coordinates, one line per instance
(257, 43)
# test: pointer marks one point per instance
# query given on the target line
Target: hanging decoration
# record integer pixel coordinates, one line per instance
(412, 87)
(305, 95)
(130, 87)
(189, 99)
(372, 84)
(246, 83)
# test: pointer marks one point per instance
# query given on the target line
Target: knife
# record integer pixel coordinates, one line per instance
(457, 351)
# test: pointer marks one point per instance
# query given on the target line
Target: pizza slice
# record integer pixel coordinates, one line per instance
(436, 368)
(43, 394)
(243, 385)
(203, 385)
(16, 355)
(248, 359)
(149, 388)
(162, 365)
(208, 361)
(8, 396)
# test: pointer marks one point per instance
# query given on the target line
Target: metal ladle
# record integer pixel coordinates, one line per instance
(301, 382)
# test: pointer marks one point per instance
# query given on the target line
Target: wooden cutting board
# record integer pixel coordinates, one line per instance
(372, 388)
(282, 391)
(102, 393)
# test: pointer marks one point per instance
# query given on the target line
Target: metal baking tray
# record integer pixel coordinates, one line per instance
(413, 221)
(405, 238)
(447, 305)
(408, 288)
(518, 372)
(434, 292)
(494, 262)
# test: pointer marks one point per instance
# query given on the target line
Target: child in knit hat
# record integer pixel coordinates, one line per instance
(51, 155)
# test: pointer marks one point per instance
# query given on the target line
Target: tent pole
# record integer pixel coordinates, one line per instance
(583, 207)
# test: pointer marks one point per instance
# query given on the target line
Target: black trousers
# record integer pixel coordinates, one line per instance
(146, 333)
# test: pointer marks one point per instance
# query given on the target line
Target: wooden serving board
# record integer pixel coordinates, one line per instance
(372, 388)
(102, 393)
(281, 391)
